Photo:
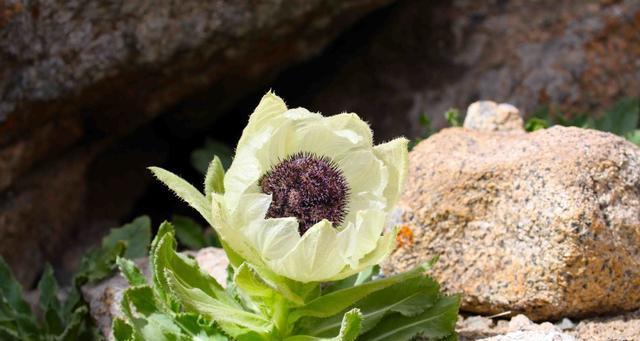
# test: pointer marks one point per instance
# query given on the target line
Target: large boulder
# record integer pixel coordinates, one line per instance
(78, 76)
(544, 223)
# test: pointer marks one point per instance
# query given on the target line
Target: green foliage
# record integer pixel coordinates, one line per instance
(201, 158)
(536, 123)
(192, 235)
(258, 305)
(67, 319)
(130, 240)
(621, 119)
(427, 130)
(453, 117)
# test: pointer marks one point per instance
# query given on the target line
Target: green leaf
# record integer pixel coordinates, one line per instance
(131, 241)
(535, 123)
(620, 119)
(11, 291)
(363, 276)
(199, 328)
(634, 137)
(131, 272)
(49, 303)
(453, 117)
(434, 323)
(136, 234)
(48, 288)
(214, 178)
(349, 329)
(122, 330)
(251, 284)
(74, 325)
(188, 232)
(202, 157)
(297, 293)
(185, 191)
(337, 301)
(99, 263)
(165, 258)
(196, 300)
(141, 309)
(409, 298)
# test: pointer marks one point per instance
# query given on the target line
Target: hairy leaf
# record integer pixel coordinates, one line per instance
(214, 179)
(337, 301)
(130, 272)
(196, 300)
(409, 298)
(436, 322)
(349, 329)
(201, 158)
(185, 191)
(136, 234)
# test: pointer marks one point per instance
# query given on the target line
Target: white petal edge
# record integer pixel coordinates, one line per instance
(394, 154)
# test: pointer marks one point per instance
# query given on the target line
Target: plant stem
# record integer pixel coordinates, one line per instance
(281, 315)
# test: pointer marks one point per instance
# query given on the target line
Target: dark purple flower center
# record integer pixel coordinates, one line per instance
(308, 187)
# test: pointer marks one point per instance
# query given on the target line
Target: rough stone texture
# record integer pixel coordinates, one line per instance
(491, 116)
(104, 297)
(545, 223)
(77, 76)
(427, 56)
(532, 336)
(619, 327)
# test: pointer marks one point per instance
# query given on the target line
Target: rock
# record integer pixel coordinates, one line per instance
(546, 224)
(428, 56)
(475, 327)
(565, 323)
(519, 322)
(491, 116)
(532, 336)
(63, 64)
(104, 297)
(617, 327)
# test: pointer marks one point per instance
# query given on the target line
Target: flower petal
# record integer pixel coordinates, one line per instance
(395, 157)
(314, 258)
(386, 244)
(351, 126)
(273, 238)
(223, 225)
(358, 239)
(268, 111)
(354, 165)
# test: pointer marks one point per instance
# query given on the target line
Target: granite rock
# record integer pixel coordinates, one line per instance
(104, 297)
(491, 116)
(545, 223)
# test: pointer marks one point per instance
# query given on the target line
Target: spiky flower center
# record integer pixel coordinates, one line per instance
(308, 187)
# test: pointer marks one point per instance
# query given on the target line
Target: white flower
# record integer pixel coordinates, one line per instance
(324, 172)
(306, 196)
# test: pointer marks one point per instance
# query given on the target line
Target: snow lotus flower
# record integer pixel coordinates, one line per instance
(306, 196)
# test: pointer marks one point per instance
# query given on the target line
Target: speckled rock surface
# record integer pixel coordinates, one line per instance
(491, 116)
(545, 223)
(104, 297)
(607, 328)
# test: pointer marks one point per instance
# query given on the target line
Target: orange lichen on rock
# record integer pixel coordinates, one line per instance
(404, 237)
